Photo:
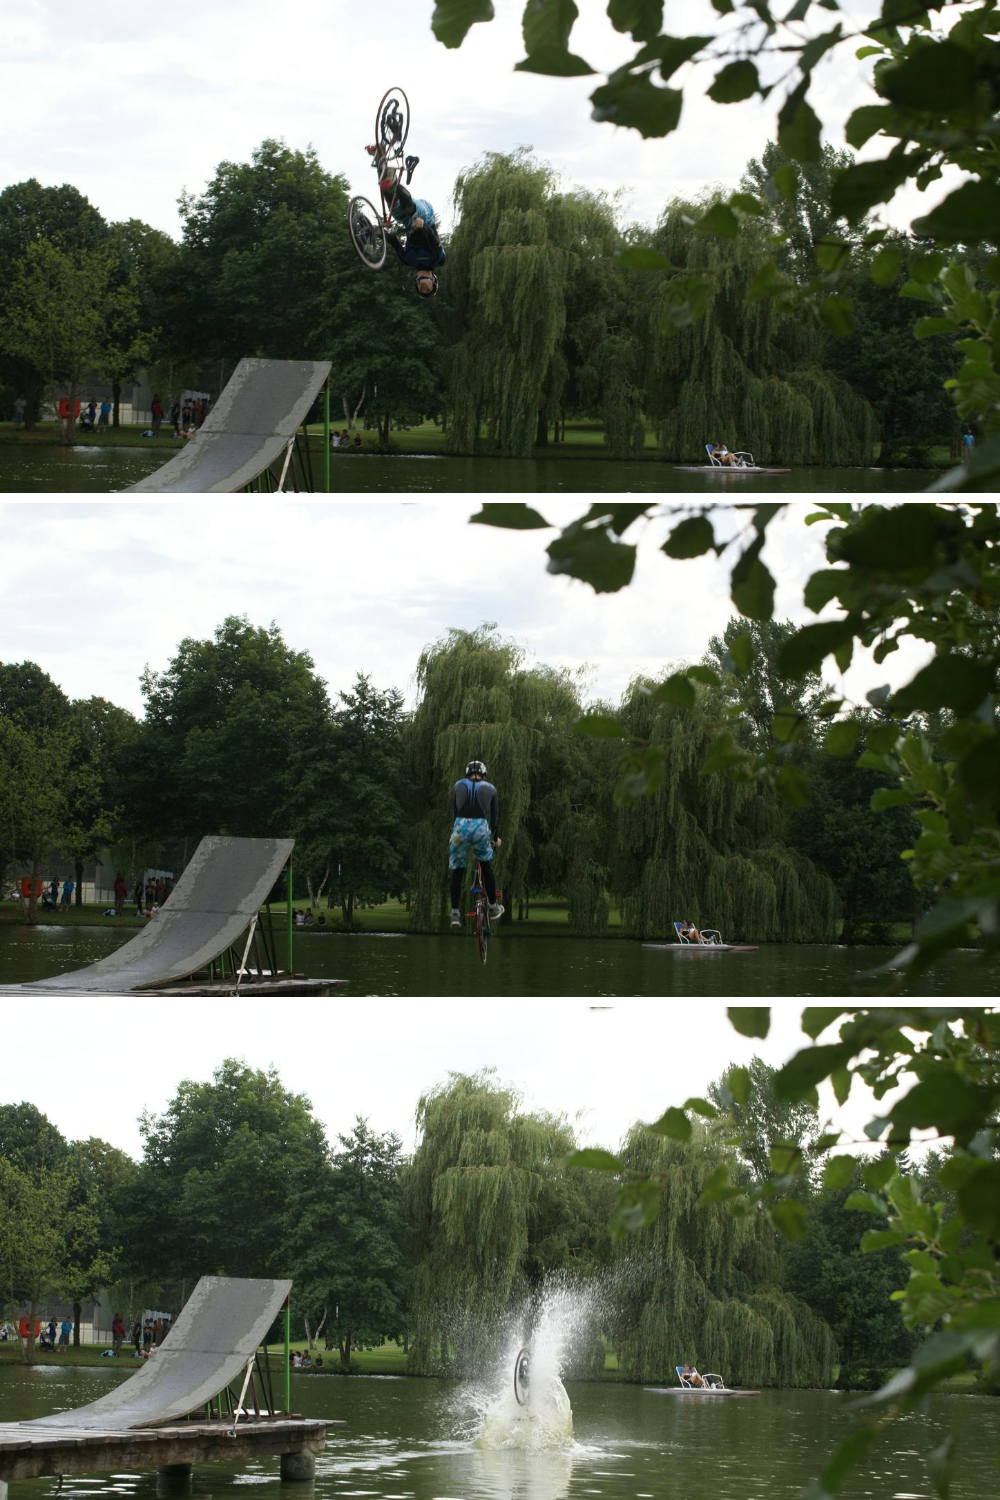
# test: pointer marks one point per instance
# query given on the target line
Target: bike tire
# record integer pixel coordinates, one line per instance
(367, 233)
(482, 929)
(520, 1376)
(394, 146)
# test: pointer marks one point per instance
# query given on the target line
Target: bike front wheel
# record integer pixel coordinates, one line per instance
(367, 233)
(392, 122)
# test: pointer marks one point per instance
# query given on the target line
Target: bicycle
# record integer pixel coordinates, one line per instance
(367, 224)
(481, 913)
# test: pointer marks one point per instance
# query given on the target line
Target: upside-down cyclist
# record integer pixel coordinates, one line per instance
(474, 809)
(420, 246)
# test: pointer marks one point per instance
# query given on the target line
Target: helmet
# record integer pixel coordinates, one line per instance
(434, 287)
(475, 768)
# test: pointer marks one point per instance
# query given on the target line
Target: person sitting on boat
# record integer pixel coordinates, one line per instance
(690, 1375)
(690, 933)
(722, 453)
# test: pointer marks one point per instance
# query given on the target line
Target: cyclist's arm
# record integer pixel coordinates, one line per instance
(494, 826)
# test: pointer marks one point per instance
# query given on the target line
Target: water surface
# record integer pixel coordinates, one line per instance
(412, 1440)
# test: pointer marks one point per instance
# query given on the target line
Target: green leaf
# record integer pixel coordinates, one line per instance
(969, 214)
(930, 328)
(685, 300)
(837, 314)
(979, 1199)
(717, 1189)
(859, 187)
(882, 738)
(823, 586)
(554, 62)
(805, 651)
(674, 51)
(949, 681)
(702, 1107)
(741, 650)
(548, 23)
(896, 539)
(601, 727)
(641, 18)
(838, 1172)
(868, 1203)
(841, 738)
(792, 784)
(691, 538)
(786, 181)
(886, 797)
(939, 76)
(453, 18)
(944, 1102)
(816, 1018)
(832, 254)
(939, 1461)
(881, 1239)
(643, 258)
(927, 268)
(750, 1020)
(854, 1446)
(720, 220)
(595, 1160)
(737, 80)
(818, 46)
(748, 204)
(876, 1174)
(514, 516)
(673, 1123)
(887, 265)
(865, 122)
(738, 1082)
(788, 724)
(590, 554)
(752, 585)
(841, 1080)
(708, 675)
(798, 127)
(789, 1218)
(634, 101)
(809, 1067)
(676, 690)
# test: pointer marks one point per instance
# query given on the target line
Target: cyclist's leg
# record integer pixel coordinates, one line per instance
(458, 847)
(482, 848)
(457, 881)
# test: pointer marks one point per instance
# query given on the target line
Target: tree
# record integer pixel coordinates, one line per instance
(39, 785)
(65, 316)
(938, 108)
(224, 719)
(264, 259)
(101, 1177)
(510, 265)
(926, 571)
(763, 1122)
(221, 1166)
(756, 683)
(704, 1287)
(351, 1269)
(475, 1191)
(368, 831)
(28, 1139)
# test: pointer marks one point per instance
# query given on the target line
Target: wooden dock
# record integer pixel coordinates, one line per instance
(30, 1450)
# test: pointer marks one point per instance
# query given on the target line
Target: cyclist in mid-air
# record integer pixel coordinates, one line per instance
(420, 247)
(474, 809)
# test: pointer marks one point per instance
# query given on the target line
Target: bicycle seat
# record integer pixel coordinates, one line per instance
(410, 163)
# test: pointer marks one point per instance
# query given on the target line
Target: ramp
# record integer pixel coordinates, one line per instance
(247, 430)
(225, 883)
(216, 1333)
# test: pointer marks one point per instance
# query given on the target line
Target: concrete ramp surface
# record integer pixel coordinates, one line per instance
(226, 881)
(246, 431)
(217, 1331)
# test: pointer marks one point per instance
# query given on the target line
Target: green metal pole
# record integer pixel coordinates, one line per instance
(326, 434)
(288, 909)
(288, 1355)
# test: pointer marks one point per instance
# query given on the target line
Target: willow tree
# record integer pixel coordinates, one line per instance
(709, 848)
(489, 1203)
(703, 1287)
(478, 700)
(510, 261)
(748, 373)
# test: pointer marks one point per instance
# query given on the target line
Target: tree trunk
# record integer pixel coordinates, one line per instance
(314, 896)
(29, 1348)
(347, 908)
(310, 1339)
(353, 422)
(321, 1325)
(66, 436)
(527, 904)
(78, 870)
(31, 912)
(542, 433)
(344, 1345)
(116, 399)
(520, 908)
(76, 1325)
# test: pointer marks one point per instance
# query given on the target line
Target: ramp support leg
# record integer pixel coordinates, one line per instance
(298, 1466)
(175, 1472)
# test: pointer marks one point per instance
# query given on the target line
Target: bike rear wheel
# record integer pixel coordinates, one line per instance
(482, 928)
(367, 233)
(392, 122)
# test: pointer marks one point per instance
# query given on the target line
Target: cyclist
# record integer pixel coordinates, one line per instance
(420, 248)
(474, 809)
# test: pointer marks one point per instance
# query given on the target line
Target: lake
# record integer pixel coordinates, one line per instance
(86, 469)
(394, 963)
(411, 1439)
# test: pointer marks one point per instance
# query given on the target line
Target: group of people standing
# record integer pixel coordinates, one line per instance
(147, 1334)
(148, 893)
(186, 414)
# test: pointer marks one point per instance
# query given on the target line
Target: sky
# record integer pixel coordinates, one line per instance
(96, 591)
(135, 105)
(602, 1067)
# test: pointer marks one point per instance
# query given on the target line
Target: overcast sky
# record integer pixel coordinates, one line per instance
(605, 1068)
(136, 103)
(95, 591)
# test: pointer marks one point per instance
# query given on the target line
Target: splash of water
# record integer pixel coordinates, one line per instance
(545, 1420)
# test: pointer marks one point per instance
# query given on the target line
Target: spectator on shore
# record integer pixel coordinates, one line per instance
(20, 407)
(121, 891)
(175, 417)
(117, 1334)
(166, 1328)
(65, 1329)
(968, 442)
(357, 441)
(156, 412)
(54, 891)
(147, 1333)
(158, 888)
(157, 1331)
(137, 1323)
(105, 417)
(52, 1333)
(334, 440)
(137, 896)
(67, 892)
